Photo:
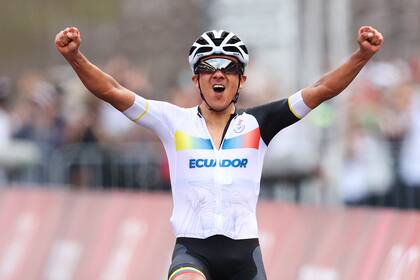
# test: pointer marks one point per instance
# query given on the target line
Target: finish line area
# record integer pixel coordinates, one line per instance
(49, 234)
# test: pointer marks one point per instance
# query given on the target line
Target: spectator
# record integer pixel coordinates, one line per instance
(410, 153)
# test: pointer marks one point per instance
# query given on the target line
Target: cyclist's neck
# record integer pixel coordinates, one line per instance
(216, 118)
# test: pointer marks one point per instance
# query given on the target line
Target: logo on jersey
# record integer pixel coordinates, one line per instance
(224, 163)
(239, 126)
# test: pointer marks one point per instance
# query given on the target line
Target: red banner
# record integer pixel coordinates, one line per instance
(60, 235)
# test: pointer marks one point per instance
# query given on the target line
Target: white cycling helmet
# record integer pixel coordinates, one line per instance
(218, 42)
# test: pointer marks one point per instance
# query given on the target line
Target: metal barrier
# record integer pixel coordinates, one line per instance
(135, 166)
(127, 165)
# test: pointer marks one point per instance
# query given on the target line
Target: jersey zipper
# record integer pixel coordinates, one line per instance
(203, 121)
(232, 116)
(217, 171)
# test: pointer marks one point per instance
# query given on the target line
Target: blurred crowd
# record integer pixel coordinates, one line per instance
(376, 159)
(361, 148)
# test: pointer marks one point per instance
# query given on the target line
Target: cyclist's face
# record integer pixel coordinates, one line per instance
(219, 87)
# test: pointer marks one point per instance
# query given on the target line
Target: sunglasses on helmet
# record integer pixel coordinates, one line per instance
(211, 65)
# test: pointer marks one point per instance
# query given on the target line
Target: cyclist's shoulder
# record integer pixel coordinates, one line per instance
(275, 106)
(164, 106)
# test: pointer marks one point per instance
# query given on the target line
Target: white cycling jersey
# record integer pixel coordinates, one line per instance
(215, 189)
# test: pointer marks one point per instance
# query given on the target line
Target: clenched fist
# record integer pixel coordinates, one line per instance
(370, 40)
(68, 41)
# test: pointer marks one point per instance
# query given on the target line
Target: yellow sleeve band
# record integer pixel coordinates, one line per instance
(297, 106)
(291, 109)
(144, 112)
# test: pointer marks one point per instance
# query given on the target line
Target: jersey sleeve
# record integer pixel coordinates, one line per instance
(150, 114)
(275, 116)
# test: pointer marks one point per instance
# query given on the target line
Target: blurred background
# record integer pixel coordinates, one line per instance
(73, 168)
(358, 149)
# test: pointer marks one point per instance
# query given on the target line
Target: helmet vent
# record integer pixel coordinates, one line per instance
(202, 41)
(233, 40)
(211, 35)
(231, 49)
(224, 34)
(204, 50)
(192, 49)
(217, 42)
(244, 48)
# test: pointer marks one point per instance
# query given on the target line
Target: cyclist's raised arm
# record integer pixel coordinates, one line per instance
(331, 84)
(96, 81)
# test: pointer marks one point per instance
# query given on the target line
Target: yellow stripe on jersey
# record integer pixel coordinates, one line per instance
(291, 109)
(144, 113)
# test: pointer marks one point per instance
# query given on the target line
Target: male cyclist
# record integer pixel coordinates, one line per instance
(215, 150)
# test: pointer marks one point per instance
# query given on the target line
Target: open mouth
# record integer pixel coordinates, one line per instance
(219, 88)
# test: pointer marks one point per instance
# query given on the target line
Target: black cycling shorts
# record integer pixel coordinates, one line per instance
(218, 258)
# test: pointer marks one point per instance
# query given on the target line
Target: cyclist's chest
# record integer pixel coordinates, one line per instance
(202, 150)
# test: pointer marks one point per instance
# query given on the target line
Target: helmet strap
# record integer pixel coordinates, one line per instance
(235, 98)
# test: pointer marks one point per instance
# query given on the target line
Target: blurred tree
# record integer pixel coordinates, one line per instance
(155, 35)
(398, 20)
(26, 27)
